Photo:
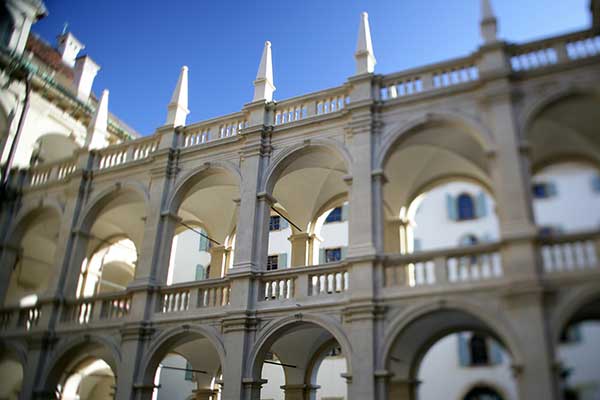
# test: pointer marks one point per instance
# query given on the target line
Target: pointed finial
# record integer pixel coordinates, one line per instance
(65, 28)
(263, 85)
(488, 23)
(365, 58)
(97, 129)
(178, 107)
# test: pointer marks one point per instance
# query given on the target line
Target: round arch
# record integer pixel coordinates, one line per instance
(573, 301)
(535, 108)
(76, 349)
(583, 159)
(475, 129)
(280, 326)
(484, 384)
(187, 181)
(162, 345)
(28, 214)
(497, 325)
(291, 153)
(103, 198)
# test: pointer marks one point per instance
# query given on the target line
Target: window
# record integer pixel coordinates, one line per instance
(482, 393)
(543, 190)
(277, 223)
(274, 223)
(333, 255)
(272, 262)
(468, 240)
(200, 275)
(571, 335)
(479, 351)
(334, 216)
(204, 243)
(465, 207)
(596, 184)
(189, 374)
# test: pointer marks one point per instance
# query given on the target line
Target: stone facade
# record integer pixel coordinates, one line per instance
(377, 142)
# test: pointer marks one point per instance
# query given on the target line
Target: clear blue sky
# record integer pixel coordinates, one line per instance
(142, 44)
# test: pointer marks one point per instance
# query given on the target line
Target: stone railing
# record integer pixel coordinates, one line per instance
(122, 153)
(310, 105)
(20, 319)
(303, 282)
(213, 129)
(434, 77)
(51, 172)
(556, 50)
(193, 295)
(446, 266)
(105, 307)
(573, 252)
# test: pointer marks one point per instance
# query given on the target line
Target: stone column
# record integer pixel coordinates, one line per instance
(536, 375)
(300, 245)
(204, 394)
(218, 255)
(252, 388)
(402, 389)
(71, 246)
(37, 353)
(130, 382)
(509, 166)
(253, 229)
(300, 392)
(8, 260)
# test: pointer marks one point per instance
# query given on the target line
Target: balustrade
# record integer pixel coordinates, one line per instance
(448, 266)
(570, 253)
(100, 308)
(122, 153)
(200, 294)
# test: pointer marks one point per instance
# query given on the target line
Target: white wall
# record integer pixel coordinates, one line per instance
(576, 206)
(442, 376)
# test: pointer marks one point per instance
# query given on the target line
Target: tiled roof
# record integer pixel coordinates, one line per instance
(48, 55)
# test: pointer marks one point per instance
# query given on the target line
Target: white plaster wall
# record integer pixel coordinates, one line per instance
(172, 382)
(276, 378)
(433, 227)
(583, 358)
(279, 244)
(42, 118)
(576, 206)
(443, 377)
(185, 255)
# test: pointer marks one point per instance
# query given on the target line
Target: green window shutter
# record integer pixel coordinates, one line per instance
(464, 353)
(282, 260)
(451, 207)
(321, 256)
(344, 251)
(204, 243)
(551, 189)
(345, 212)
(481, 205)
(189, 375)
(495, 353)
(199, 272)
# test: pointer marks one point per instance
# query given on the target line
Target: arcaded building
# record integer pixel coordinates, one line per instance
(427, 234)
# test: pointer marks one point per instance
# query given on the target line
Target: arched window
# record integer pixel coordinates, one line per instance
(482, 393)
(479, 351)
(466, 207)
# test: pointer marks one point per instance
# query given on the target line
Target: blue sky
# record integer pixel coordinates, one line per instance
(142, 44)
